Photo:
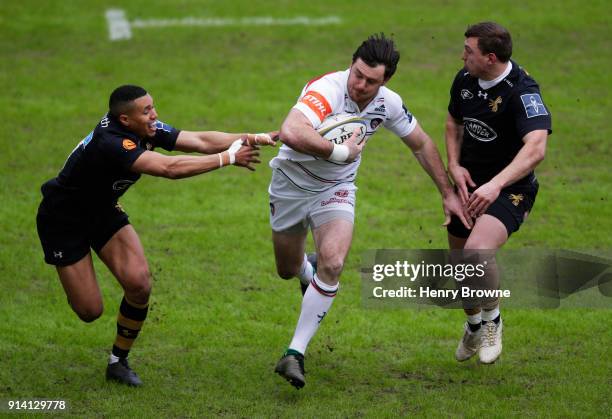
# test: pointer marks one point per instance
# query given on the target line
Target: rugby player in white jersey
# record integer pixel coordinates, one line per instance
(313, 182)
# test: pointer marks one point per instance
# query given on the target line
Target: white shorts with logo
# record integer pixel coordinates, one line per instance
(293, 209)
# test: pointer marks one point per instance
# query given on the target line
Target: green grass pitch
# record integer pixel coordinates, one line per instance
(220, 317)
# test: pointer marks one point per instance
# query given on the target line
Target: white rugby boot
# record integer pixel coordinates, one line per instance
(469, 344)
(491, 342)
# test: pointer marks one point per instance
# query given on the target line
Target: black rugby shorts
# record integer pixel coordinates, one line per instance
(510, 208)
(66, 237)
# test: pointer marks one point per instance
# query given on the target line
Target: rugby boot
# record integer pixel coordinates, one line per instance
(121, 372)
(291, 368)
(469, 344)
(491, 347)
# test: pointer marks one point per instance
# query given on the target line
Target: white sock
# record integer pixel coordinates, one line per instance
(489, 316)
(315, 305)
(306, 271)
(113, 359)
(474, 318)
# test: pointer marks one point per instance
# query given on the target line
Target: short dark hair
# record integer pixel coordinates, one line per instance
(378, 49)
(492, 38)
(122, 97)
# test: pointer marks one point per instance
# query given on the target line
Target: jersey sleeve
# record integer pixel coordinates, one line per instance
(399, 119)
(454, 108)
(122, 151)
(165, 136)
(319, 100)
(530, 112)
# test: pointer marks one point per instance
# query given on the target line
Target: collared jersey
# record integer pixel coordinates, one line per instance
(97, 172)
(495, 120)
(328, 95)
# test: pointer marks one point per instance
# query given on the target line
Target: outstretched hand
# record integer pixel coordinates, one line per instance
(243, 155)
(265, 138)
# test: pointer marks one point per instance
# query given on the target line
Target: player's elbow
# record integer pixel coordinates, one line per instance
(538, 154)
(288, 134)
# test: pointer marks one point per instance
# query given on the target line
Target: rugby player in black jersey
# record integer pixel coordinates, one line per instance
(496, 132)
(79, 210)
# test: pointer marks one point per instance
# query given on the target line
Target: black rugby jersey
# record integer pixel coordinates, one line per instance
(97, 172)
(495, 120)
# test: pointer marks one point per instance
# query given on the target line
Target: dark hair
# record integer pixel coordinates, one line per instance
(378, 50)
(492, 38)
(122, 97)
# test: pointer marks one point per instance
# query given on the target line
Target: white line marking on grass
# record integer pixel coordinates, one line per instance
(118, 25)
(120, 28)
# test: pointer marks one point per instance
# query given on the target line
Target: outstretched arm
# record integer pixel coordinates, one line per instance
(177, 167)
(210, 142)
(428, 156)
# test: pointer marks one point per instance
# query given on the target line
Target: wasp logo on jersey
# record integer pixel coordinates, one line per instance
(479, 130)
(516, 199)
(534, 106)
(493, 104)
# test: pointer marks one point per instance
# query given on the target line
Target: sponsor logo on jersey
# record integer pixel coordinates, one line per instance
(105, 122)
(58, 254)
(121, 185)
(342, 193)
(493, 104)
(483, 94)
(516, 199)
(533, 105)
(407, 112)
(317, 103)
(466, 94)
(479, 130)
(129, 144)
(87, 139)
(162, 126)
(380, 108)
(335, 200)
(375, 122)
(148, 145)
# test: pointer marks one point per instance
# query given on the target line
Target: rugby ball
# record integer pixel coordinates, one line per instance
(339, 127)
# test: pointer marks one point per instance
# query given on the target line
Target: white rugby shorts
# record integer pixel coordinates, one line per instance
(293, 209)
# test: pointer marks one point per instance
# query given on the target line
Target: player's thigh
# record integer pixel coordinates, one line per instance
(289, 249)
(333, 241)
(488, 233)
(124, 255)
(81, 288)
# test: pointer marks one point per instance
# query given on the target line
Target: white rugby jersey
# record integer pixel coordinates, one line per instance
(328, 95)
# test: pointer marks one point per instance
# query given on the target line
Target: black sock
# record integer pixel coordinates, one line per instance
(473, 327)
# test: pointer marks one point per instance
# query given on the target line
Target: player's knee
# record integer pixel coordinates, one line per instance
(88, 313)
(330, 268)
(286, 272)
(138, 286)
